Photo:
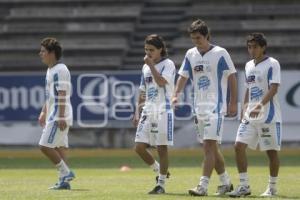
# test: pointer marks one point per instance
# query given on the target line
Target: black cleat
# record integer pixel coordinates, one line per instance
(157, 190)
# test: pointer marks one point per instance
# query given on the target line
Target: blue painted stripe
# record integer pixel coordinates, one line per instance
(162, 70)
(271, 108)
(278, 125)
(142, 80)
(221, 67)
(187, 67)
(270, 75)
(219, 123)
(271, 112)
(170, 127)
(52, 133)
(168, 104)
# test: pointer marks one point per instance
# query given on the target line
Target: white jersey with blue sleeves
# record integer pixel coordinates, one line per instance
(259, 77)
(58, 78)
(209, 75)
(158, 99)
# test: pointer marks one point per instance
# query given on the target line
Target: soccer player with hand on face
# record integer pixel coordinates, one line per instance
(154, 115)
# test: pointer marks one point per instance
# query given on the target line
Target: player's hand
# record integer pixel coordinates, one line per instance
(174, 101)
(232, 109)
(42, 119)
(255, 112)
(62, 124)
(135, 120)
(149, 61)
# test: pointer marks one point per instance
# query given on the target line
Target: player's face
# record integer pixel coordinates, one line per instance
(153, 53)
(45, 55)
(255, 51)
(199, 40)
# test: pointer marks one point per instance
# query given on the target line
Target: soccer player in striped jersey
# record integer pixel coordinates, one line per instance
(261, 116)
(56, 116)
(154, 115)
(210, 68)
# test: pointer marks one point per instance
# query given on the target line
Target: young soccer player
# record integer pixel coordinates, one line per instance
(56, 116)
(261, 119)
(154, 115)
(210, 68)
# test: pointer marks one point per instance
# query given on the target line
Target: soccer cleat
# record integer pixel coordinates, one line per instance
(270, 192)
(198, 191)
(240, 191)
(61, 186)
(157, 190)
(69, 177)
(223, 189)
(168, 176)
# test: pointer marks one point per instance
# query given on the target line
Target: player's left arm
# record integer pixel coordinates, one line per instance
(232, 106)
(232, 83)
(62, 124)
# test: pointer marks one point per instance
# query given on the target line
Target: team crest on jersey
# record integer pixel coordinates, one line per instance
(199, 68)
(148, 79)
(251, 79)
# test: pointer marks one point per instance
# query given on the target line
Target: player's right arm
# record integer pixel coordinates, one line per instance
(42, 116)
(139, 108)
(178, 88)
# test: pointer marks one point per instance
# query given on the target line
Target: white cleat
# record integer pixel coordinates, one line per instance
(240, 191)
(270, 192)
(198, 191)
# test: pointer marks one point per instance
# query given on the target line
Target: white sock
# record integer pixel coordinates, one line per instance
(224, 178)
(272, 182)
(161, 180)
(204, 181)
(155, 167)
(244, 180)
(62, 168)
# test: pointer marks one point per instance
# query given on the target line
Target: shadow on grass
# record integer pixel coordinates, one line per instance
(80, 190)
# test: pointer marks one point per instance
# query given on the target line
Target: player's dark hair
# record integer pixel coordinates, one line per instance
(158, 42)
(259, 38)
(199, 26)
(52, 45)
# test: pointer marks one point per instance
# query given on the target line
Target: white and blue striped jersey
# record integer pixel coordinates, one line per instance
(259, 77)
(58, 78)
(158, 99)
(209, 74)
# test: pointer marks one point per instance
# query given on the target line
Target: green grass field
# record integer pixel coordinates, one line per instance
(26, 174)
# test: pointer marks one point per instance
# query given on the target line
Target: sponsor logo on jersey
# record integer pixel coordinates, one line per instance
(256, 93)
(152, 93)
(203, 83)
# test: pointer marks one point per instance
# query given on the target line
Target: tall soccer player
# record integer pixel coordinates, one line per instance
(210, 68)
(261, 116)
(56, 116)
(154, 115)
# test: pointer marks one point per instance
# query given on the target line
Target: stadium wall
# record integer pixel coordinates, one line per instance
(104, 101)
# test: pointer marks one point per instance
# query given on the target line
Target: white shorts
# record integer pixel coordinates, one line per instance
(209, 127)
(268, 136)
(156, 130)
(53, 137)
